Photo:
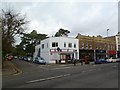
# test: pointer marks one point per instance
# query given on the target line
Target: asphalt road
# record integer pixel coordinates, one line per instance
(63, 76)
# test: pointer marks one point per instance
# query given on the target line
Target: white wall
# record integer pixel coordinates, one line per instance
(117, 42)
(62, 40)
(36, 51)
(45, 52)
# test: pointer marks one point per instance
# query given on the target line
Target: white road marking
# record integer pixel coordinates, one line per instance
(60, 68)
(84, 71)
(38, 80)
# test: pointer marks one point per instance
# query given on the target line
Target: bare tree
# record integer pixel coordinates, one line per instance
(12, 24)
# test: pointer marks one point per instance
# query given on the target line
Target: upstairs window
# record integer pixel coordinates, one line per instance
(42, 46)
(90, 46)
(82, 45)
(54, 44)
(86, 45)
(64, 44)
(74, 45)
(70, 45)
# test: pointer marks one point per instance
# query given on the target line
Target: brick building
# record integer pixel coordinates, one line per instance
(96, 47)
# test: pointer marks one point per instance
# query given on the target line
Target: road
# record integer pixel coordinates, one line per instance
(63, 76)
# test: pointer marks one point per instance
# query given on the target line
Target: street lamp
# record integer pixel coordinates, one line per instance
(107, 32)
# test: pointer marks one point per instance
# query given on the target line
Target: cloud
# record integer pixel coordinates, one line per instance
(89, 18)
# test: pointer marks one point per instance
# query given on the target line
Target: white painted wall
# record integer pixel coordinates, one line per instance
(45, 52)
(117, 41)
(36, 51)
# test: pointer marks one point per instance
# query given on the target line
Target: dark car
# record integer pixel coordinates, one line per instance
(25, 58)
(100, 61)
(39, 60)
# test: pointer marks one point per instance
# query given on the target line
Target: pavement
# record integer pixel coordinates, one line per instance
(9, 68)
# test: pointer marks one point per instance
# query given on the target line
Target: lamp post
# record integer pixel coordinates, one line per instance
(107, 32)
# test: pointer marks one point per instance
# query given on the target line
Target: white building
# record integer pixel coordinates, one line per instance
(118, 44)
(60, 49)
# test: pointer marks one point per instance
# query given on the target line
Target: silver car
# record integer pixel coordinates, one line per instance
(39, 60)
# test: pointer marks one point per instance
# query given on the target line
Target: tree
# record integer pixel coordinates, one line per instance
(62, 32)
(29, 41)
(12, 24)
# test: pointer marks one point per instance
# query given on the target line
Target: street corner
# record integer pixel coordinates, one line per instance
(10, 68)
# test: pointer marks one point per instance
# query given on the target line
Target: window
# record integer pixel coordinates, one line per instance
(54, 44)
(86, 45)
(64, 44)
(82, 45)
(90, 46)
(47, 45)
(70, 45)
(118, 41)
(42, 46)
(74, 45)
(118, 47)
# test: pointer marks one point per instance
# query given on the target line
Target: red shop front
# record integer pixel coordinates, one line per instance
(111, 53)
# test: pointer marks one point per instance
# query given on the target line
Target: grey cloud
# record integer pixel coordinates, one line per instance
(90, 18)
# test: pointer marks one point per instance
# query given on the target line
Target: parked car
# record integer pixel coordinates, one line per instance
(21, 58)
(29, 59)
(25, 58)
(39, 60)
(15, 57)
(118, 60)
(100, 61)
(9, 57)
(112, 59)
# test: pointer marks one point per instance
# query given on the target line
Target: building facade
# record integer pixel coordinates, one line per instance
(118, 44)
(96, 47)
(58, 49)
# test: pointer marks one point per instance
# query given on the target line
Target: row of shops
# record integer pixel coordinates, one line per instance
(65, 49)
(97, 54)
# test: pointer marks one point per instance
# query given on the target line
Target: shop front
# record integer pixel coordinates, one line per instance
(100, 54)
(111, 53)
(118, 54)
(67, 55)
(88, 53)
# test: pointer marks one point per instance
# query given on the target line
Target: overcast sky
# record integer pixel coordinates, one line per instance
(87, 18)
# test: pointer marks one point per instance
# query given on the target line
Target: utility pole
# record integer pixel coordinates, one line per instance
(107, 45)
(94, 48)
